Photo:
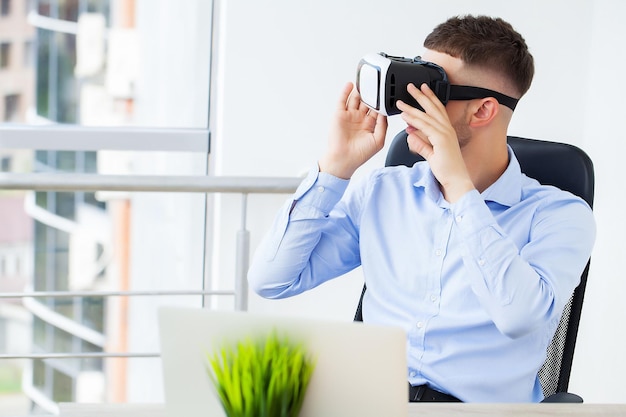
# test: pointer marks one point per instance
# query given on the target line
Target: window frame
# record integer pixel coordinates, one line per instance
(5, 54)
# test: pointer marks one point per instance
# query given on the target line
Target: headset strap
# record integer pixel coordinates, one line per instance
(465, 92)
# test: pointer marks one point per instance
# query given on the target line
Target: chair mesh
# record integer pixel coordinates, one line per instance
(550, 372)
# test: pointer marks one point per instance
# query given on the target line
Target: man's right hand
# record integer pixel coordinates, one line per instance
(432, 135)
(357, 134)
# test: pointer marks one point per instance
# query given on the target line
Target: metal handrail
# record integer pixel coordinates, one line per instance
(147, 183)
(81, 355)
(70, 294)
(67, 137)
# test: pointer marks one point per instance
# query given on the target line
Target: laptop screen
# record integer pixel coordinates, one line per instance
(359, 369)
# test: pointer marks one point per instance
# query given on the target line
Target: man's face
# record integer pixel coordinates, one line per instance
(457, 109)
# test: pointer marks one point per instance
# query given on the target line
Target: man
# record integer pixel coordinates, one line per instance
(472, 258)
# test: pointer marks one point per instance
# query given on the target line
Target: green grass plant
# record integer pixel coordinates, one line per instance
(267, 377)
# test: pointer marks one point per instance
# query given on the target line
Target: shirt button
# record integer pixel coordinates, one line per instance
(320, 189)
(433, 298)
(438, 252)
(413, 374)
(459, 219)
(420, 324)
(481, 262)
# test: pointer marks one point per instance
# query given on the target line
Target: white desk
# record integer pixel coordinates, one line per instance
(415, 410)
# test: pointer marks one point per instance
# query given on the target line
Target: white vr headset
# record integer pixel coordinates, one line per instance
(382, 80)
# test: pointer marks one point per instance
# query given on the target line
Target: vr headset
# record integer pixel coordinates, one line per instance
(382, 80)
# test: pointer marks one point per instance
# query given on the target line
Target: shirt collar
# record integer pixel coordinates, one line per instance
(427, 181)
(507, 189)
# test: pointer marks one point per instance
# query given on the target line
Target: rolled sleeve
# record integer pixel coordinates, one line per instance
(279, 262)
(317, 195)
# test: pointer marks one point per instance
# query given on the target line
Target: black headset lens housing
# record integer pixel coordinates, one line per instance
(382, 80)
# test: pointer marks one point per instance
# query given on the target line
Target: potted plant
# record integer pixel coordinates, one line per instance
(267, 377)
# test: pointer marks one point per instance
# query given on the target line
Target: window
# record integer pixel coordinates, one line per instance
(5, 54)
(18, 266)
(29, 54)
(11, 107)
(99, 106)
(5, 164)
(5, 7)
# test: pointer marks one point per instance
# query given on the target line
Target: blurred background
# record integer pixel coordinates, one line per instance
(237, 88)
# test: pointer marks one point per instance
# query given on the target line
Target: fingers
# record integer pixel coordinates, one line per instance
(345, 96)
(428, 100)
(433, 119)
(418, 120)
(350, 99)
(418, 142)
(380, 130)
(355, 103)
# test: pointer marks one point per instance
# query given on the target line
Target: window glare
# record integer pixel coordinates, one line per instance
(98, 63)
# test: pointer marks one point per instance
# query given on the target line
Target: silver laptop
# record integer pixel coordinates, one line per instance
(360, 369)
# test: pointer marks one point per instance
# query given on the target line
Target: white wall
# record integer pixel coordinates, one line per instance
(599, 361)
(282, 64)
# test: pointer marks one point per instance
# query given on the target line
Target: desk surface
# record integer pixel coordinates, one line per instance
(415, 410)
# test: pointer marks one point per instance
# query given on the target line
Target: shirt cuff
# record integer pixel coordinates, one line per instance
(471, 213)
(319, 192)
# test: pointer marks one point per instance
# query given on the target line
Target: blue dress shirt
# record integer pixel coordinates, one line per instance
(478, 285)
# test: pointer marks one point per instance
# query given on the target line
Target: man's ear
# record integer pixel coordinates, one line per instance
(484, 110)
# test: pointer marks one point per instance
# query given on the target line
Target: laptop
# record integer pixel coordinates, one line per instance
(360, 369)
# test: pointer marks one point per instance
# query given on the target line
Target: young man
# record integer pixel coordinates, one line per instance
(472, 258)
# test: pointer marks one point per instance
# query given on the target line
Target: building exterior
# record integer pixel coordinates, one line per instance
(72, 238)
(17, 74)
(16, 264)
(17, 40)
(84, 73)
(60, 249)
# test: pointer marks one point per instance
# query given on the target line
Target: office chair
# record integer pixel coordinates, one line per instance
(568, 168)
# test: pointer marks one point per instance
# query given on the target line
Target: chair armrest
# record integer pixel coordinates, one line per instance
(563, 397)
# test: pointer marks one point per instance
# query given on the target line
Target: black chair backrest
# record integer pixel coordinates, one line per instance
(568, 168)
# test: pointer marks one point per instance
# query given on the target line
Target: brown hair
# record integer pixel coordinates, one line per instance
(486, 42)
